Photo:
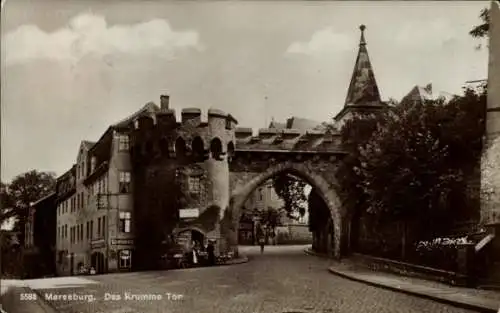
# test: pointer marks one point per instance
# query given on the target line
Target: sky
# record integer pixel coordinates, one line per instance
(71, 68)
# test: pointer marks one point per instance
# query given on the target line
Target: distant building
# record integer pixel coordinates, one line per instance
(419, 94)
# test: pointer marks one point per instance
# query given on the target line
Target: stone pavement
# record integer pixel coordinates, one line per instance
(283, 279)
(475, 299)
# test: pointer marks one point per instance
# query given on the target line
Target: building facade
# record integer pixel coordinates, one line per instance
(95, 206)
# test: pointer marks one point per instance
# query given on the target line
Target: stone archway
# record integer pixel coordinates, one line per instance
(327, 190)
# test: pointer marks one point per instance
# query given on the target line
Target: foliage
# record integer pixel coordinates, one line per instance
(154, 225)
(481, 30)
(415, 175)
(271, 217)
(24, 189)
(356, 132)
(291, 190)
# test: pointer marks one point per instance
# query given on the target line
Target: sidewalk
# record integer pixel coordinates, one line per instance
(468, 298)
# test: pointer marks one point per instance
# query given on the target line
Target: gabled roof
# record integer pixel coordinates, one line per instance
(149, 107)
(277, 125)
(301, 123)
(419, 94)
(88, 144)
(294, 122)
(363, 88)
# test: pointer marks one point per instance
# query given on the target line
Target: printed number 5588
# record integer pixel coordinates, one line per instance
(27, 297)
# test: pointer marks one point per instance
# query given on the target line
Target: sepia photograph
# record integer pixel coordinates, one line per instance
(250, 156)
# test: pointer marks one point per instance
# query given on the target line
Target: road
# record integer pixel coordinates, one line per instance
(283, 279)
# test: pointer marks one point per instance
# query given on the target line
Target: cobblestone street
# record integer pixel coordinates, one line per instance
(284, 279)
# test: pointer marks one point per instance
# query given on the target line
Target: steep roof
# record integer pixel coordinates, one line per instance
(301, 123)
(88, 144)
(363, 88)
(149, 107)
(277, 125)
(421, 94)
(295, 122)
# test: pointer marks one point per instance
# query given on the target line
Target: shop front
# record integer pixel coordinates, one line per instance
(121, 255)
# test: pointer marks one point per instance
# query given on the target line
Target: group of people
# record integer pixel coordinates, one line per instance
(197, 249)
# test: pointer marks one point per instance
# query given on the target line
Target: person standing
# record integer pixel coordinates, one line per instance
(262, 239)
(211, 253)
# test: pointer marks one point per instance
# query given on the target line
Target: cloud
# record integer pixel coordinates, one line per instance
(89, 34)
(325, 40)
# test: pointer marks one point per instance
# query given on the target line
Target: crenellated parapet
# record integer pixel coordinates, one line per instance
(162, 134)
(287, 140)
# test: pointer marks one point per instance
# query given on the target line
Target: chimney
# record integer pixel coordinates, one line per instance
(164, 102)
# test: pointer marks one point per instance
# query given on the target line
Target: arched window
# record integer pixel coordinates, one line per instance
(198, 149)
(230, 151)
(164, 147)
(180, 147)
(216, 149)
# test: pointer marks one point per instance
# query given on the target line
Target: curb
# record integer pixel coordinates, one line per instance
(454, 303)
(464, 305)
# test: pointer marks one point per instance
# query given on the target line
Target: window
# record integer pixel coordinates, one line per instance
(125, 218)
(98, 227)
(194, 183)
(198, 149)
(88, 228)
(82, 200)
(103, 225)
(216, 149)
(81, 232)
(125, 257)
(125, 182)
(71, 233)
(91, 230)
(123, 143)
(66, 231)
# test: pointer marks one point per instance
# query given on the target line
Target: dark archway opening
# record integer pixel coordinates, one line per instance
(216, 149)
(286, 210)
(180, 148)
(198, 150)
(164, 147)
(98, 262)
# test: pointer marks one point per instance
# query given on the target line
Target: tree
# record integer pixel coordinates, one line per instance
(481, 30)
(418, 177)
(291, 190)
(23, 190)
(271, 217)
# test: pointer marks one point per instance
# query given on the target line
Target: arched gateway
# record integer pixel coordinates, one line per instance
(315, 164)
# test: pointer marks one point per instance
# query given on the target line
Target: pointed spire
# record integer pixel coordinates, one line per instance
(363, 89)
